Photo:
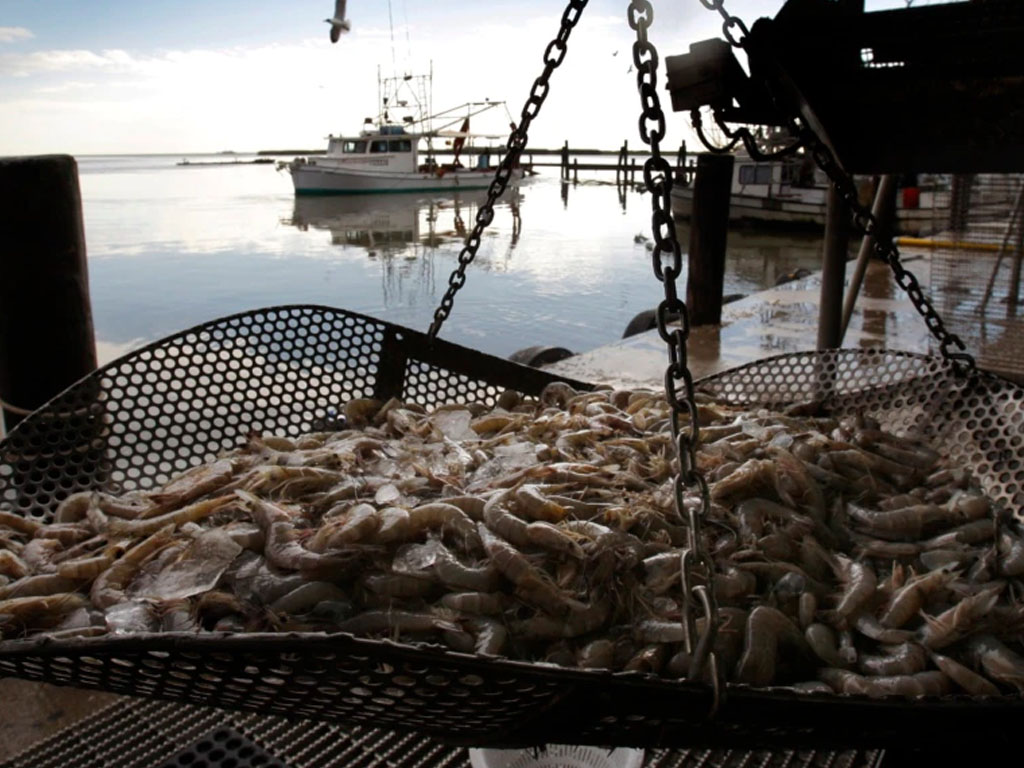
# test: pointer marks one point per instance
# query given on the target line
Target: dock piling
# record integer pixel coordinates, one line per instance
(46, 330)
(708, 234)
(833, 270)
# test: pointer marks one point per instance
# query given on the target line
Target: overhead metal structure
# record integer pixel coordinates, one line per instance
(937, 88)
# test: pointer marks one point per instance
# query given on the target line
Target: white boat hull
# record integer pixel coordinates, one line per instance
(310, 178)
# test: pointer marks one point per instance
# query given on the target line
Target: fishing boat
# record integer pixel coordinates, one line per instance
(792, 192)
(397, 153)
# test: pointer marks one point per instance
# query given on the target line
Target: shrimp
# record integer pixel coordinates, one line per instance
(504, 523)
(73, 508)
(195, 483)
(822, 641)
(358, 524)
(12, 565)
(904, 659)
(949, 626)
(426, 517)
(859, 583)
(970, 681)
(532, 585)
(65, 533)
(905, 603)
(37, 612)
(533, 503)
(554, 539)
(489, 636)
(1011, 554)
(395, 623)
(580, 622)
(453, 573)
(190, 514)
(767, 630)
(922, 684)
(476, 603)
(109, 587)
(649, 659)
(997, 661)
(752, 477)
(976, 532)
(39, 585)
(597, 654)
(397, 585)
(19, 523)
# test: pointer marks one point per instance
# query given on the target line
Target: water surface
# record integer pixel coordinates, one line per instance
(173, 246)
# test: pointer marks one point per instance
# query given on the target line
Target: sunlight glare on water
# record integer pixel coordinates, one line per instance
(173, 246)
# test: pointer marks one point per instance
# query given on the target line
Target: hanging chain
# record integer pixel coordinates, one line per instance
(951, 346)
(885, 249)
(730, 22)
(697, 568)
(554, 54)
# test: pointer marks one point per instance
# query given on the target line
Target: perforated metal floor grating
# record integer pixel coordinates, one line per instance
(139, 733)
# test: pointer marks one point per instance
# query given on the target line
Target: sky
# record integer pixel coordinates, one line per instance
(187, 76)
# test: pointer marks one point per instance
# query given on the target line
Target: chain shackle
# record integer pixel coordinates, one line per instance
(696, 567)
(554, 54)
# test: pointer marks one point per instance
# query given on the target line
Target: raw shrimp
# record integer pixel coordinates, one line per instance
(37, 612)
(933, 683)
(905, 603)
(904, 659)
(969, 681)
(190, 514)
(476, 603)
(997, 661)
(767, 630)
(109, 587)
(949, 626)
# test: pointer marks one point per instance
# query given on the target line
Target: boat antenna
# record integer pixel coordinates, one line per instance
(391, 24)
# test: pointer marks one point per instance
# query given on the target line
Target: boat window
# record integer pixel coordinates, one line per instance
(354, 147)
(401, 145)
(380, 145)
(755, 174)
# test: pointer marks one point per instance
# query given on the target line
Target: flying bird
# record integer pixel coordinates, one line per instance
(339, 23)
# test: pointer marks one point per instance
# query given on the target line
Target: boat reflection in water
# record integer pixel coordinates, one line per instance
(400, 224)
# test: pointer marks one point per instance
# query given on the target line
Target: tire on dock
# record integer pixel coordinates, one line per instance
(540, 355)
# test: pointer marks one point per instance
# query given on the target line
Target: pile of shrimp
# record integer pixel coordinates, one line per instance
(847, 559)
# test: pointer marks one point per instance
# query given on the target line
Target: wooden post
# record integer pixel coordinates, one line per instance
(833, 270)
(565, 160)
(708, 234)
(883, 214)
(1013, 297)
(575, 170)
(46, 332)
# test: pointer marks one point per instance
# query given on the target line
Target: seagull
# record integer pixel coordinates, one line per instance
(339, 23)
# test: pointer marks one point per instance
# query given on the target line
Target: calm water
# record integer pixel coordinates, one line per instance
(170, 247)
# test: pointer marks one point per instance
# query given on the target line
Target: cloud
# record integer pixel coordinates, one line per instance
(38, 62)
(10, 34)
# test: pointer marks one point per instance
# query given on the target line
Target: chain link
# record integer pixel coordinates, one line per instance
(554, 54)
(696, 566)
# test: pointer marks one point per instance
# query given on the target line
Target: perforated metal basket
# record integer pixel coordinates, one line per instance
(183, 400)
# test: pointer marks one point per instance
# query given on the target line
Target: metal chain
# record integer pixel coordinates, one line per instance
(697, 567)
(885, 249)
(864, 220)
(730, 22)
(554, 54)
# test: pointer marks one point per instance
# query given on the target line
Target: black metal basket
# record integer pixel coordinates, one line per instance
(183, 400)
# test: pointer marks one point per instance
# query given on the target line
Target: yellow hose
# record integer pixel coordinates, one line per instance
(964, 245)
